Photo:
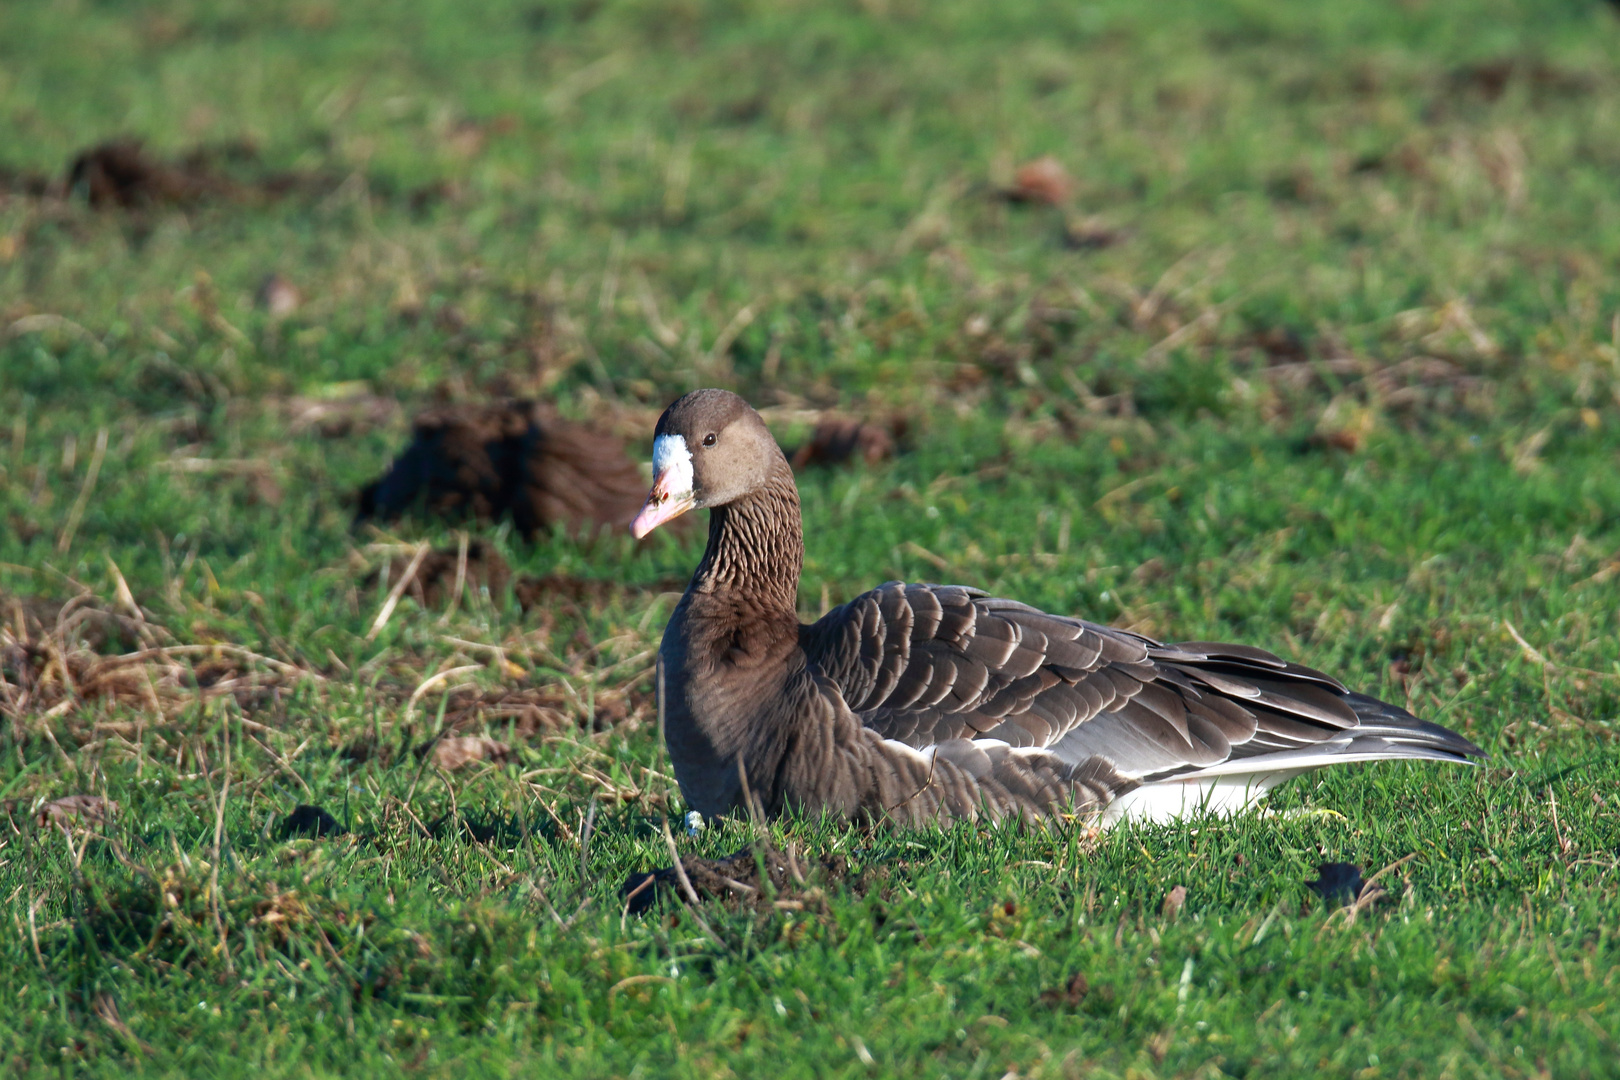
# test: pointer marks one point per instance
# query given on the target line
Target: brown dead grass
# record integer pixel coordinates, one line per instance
(569, 591)
(343, 415)
(523, 712)
(761, 877)
(60, 659)
(75, 810)
(442, 574)
(459, 751)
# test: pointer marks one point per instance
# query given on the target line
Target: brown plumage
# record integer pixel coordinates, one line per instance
(511, 457)
(924, 702)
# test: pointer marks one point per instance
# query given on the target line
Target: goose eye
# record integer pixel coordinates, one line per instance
(708, 440)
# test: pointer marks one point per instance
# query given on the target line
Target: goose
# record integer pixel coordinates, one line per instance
(919, 704)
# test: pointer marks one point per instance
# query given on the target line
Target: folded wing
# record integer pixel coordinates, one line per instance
(928, 664)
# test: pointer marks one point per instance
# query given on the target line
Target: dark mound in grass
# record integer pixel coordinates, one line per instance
(514, 458)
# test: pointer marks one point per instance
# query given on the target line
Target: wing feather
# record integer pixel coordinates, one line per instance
(929, 665)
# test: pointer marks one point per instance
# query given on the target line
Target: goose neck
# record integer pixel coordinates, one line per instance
(756, 548)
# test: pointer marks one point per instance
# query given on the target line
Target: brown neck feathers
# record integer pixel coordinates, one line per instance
(756, 547)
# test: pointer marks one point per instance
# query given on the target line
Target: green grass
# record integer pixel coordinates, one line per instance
(1347, 386)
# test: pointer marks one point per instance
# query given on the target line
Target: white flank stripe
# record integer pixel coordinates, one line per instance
(926, 756)
(1171, 800)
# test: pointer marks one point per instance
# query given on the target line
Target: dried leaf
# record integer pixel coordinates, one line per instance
(1042, 180)
(88, 809)
(279, 296)
(1073, 992)
(457, 751)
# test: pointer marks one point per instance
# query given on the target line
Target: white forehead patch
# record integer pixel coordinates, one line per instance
(673, 462)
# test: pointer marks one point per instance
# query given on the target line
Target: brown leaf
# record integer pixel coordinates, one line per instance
(466, 139)
(1159, 1045)
(1042, 180)
(522, 713)
(353, 412)
(453, 753)
(1345, 425)
(279, 296)
(1150, 572)
(1280, 343)
(1073, 992)
(1173, 901)
(263, 489)
(1348, 440)
(90, 809)
(1091, 234)
(120, 174)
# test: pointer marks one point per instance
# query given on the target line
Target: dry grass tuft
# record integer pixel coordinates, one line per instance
(439, 577)
(76, 809)
(525, 712)
(761, 876)
(59, 659)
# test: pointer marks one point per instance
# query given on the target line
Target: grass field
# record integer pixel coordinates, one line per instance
(1322, 353)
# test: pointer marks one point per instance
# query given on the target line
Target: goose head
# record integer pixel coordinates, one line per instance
(710, 449)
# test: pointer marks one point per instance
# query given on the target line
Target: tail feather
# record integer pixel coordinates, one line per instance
(1384, 732)
(1343, 751)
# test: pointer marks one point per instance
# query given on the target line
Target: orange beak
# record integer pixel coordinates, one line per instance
(662, 505)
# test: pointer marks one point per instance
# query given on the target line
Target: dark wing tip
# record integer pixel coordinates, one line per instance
(1395, 723)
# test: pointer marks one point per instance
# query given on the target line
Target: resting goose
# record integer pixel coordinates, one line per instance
(918, 703)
